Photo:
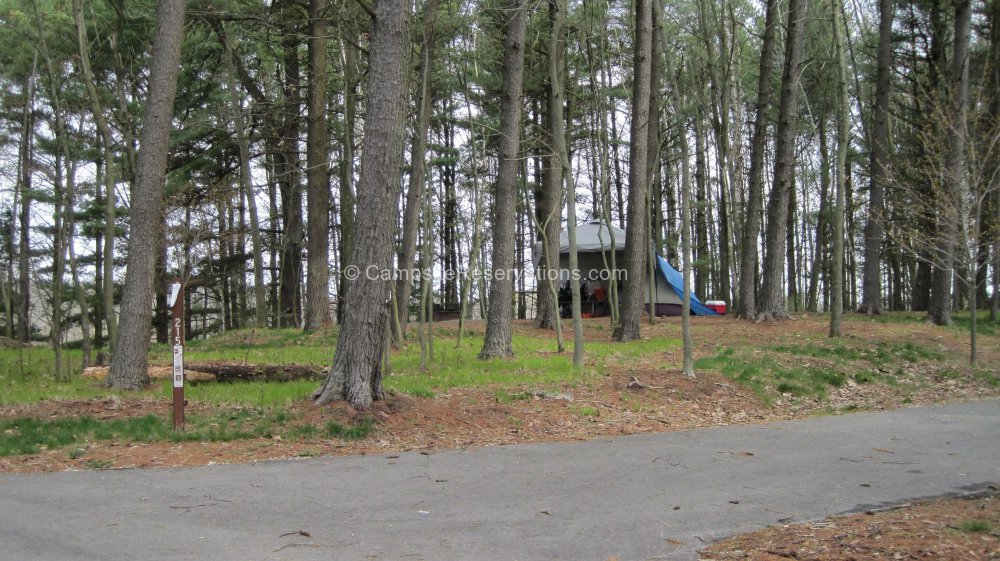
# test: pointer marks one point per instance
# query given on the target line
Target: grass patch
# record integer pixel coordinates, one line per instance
(876, 355)
(760, 372)
(262, 395)
(28, 435)
(535, 364)
(359, 431)
(976, 526)
(507, 398)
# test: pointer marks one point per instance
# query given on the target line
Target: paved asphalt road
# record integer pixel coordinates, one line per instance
(653, 496)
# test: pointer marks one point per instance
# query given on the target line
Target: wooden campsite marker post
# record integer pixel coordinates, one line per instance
(175, 301)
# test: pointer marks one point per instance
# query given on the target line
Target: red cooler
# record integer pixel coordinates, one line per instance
(717, 306)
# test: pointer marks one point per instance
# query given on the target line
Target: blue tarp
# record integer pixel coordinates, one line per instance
(676, 282)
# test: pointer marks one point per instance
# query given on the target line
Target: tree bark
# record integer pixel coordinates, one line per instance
(772, 297)
(557, 77)
(499, 320)
(349, 63)
(637, 231)
(548, 204)
(317, 312)
(128, 363)
(746, 302)
(256, 244)
(871, 291)
(843, 137)
(24, 179)
(356, 374)
(110, 178)
(418, 169)
(289, 183)
(955, 173)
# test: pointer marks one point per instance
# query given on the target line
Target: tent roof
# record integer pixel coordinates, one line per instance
(591, 237)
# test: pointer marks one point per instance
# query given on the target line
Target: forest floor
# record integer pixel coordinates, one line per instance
(748, 373)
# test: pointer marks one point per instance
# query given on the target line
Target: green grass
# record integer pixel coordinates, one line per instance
(976, 526)
(536, 364)
(963, 321)
(28, 435)
(764, 371)
(881, 354)
(265, 395)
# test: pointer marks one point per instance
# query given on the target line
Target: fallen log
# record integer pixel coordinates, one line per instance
(258, 372)
(222, 372)
(155, 373)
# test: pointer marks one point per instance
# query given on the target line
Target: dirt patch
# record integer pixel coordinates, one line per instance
(964, 529)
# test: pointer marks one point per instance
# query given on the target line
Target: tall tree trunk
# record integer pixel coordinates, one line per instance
(110, 177)
(548, 203)
(949, 242)
(720, 85)
(129, 361)
(58, 267)
(418, 168)
(702, 258)
(819, 253)
(790, 221)
(349, 64)
(289, 183)
(995, 170)
(637, 231)
(871, 291)
(843, 137)
(26, 169)
(317, 312)
(772, 297)
(687, 366)
(499, 323)
(746, 302)
(356, 374)
(558, 136)
(256, 244)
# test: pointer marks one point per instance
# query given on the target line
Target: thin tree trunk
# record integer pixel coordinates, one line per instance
(871, 292)
(954, 181)
(720, 85)
(477, 222)
(256, 244)
(636, 233)
(790, 222)
(499, 322)
(356, 374)
(24, 188)
(289, 183)
(129, 360)
(556, 49)
(843, 137)
(746, 302)
(548, 203)
(110, 177)
(687, 366)
(819, 253)
(418, 170)
(702, 258)
(349, 64)
(772, 297)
